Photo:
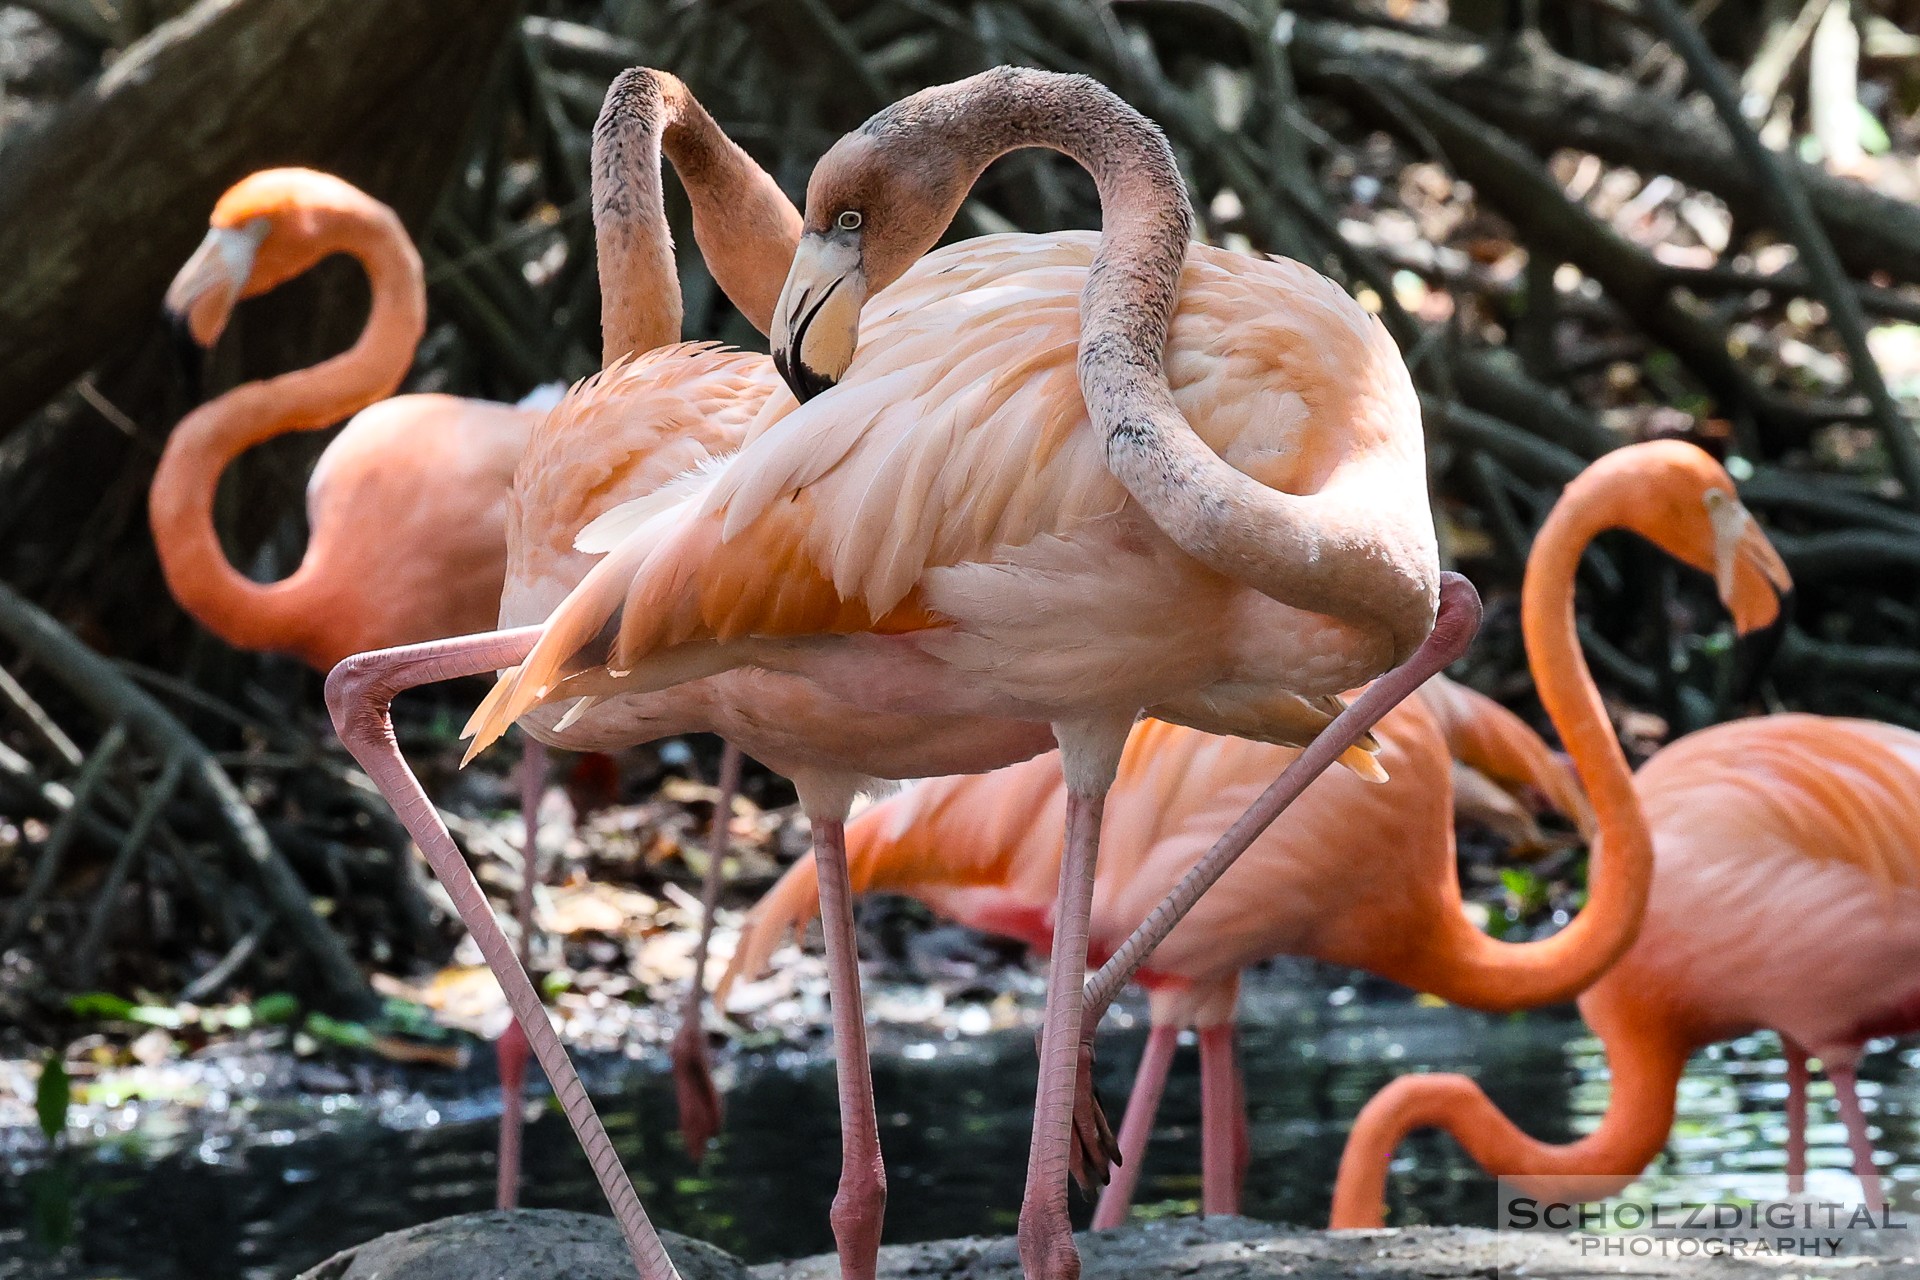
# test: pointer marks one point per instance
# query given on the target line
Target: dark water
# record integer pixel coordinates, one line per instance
(267, 1198)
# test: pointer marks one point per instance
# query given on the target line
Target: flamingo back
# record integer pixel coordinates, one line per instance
(1786, 886)
(408, 512)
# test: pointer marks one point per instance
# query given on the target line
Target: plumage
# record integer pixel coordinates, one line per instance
(958, 496)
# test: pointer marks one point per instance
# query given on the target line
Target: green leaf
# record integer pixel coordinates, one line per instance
(53, 1097)
(278, 1008)
(101, 1005)
(349, 1035)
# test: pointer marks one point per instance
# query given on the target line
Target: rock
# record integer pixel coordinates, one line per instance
(1240, 1249)
(528, 1244)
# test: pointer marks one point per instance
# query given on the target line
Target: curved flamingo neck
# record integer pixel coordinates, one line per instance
(1472, 968)
(1313, 552)
(745, 226)
(1646, 1059)
(283, 616)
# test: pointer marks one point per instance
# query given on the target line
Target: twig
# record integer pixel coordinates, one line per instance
(51, 735)
(1527, 454)
(131, 846)
(1848, 553)
(47, 868)
(96, 682)
(1789, 205)
(1509, 178)
(210, 982)
(1703, 280)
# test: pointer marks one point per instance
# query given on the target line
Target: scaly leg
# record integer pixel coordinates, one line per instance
(1453, 630)
(860, 1204)
(511, 1049)
(1796, 1116)
(693, 1088)
(1845, 1089)
(360, 694)
(1221, 1120)
(1136, 1127)
(1090, 756)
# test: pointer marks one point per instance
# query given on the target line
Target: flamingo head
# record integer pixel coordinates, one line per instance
(1676, 495)
(268, 228)
(876, 203)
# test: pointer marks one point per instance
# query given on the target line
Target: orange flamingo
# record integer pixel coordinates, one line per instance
(424, 474)
(428, 473)
(986, 850)
(949, 532)
(275, 226)
(1799, 830)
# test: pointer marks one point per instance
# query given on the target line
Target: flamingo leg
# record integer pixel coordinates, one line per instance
(511, 1050)
(1221, 1120)
(860, 1204)
(699, 1100)
(1845, 1089)
(1796, 1116)
(1454, 627)
(1242, 1133)
(360, 693)
(1090, 756)
(1136, 1128)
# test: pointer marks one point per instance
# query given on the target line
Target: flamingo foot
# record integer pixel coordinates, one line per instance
(701, 1110)
(1096, 1152)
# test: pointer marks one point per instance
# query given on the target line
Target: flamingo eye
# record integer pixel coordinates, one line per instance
(849, 220)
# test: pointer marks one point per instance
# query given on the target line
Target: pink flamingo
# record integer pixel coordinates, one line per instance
(949, 533)
(1331, 883)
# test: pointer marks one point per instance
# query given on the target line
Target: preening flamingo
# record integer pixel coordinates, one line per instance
(1361, 875)
(1786, 895)
(618, 436)
(946, 532)
(406, 507)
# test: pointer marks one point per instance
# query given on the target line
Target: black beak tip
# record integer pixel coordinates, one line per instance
(804, 381)
(189, 359)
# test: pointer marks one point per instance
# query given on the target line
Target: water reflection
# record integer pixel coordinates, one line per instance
(262, 1199)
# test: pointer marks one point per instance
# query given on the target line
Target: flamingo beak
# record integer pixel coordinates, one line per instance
(816, 322)
(1748, 571)
(202, 296)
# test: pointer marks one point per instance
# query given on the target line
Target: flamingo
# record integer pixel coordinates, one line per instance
(425, 474)
(985, 850)
(619, 435)
(963, 529)
(1786, 896)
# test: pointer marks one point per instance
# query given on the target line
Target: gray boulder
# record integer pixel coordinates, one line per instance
(528, 1244)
